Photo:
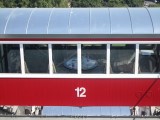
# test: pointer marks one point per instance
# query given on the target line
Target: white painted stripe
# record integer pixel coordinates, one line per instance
(150, 19)
(90, 20)
(69, 22)
(8, 20)
(89, 76)
(29, 20)
(49, 19)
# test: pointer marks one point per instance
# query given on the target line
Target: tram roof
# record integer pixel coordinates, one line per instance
(80, 21)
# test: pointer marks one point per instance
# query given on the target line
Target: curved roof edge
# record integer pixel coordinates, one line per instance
(129, 21)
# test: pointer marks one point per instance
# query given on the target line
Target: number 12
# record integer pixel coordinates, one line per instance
(80, 91)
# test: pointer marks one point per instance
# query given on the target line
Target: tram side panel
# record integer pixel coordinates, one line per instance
(79, 92)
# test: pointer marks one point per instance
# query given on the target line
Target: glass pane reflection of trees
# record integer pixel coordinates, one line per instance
(10, 58)
(122, 58)
(93, 58)
(36, 58)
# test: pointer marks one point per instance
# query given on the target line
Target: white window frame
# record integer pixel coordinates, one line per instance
(50, 59)
(22, 59)
(79, 72)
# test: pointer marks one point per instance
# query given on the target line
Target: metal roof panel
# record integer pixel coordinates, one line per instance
(38, 22)
(120, 21)
(59, 21)
(141, 21)
(18, 21)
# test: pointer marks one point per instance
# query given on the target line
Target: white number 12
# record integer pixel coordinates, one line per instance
(80, 91)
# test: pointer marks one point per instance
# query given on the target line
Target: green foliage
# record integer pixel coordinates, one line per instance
(116, 3)
(135, 3)
(49, 3)
(40, 3)
(1, 4)
(22, 3)
(72, 3)
(105, 3)
(63, 3)
(60, 3)
(87, 3)
(9, 3)
(34, 3)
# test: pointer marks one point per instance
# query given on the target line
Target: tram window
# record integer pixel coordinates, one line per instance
(64, 58)
(149, 58)
(93, 58)
(10, 58)
(122, 58)
(36, 58)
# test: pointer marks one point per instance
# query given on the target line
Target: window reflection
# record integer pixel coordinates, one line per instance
(149, 59)
(10, 58)
(93, 58)
(64, 58)
(36, 58)
(122, 58)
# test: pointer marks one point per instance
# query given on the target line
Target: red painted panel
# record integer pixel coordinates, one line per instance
(61, 92)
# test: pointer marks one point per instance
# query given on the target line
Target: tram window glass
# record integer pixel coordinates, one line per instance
(36, 58)
(93, 58)
(10, 58)
(149, 58)
(64, 58)
(122, 58)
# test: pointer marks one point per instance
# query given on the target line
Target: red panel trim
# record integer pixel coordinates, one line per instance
(61, 92)
(80, 39)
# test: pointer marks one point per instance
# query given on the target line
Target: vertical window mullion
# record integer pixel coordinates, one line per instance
(79, 58)
(50, 59)
(2, 53)
(22, 59)
(137, 59)
(108, 59)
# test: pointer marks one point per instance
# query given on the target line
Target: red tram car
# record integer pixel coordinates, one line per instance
(80, 56)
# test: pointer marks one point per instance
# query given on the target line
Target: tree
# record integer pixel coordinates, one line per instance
(48, 3)
(9, 3)
(40, 3)
(135, 3)
(1, 4)
(60, 3)
(105, 3)
(64, 3)
(87, 3)
(116, 3)
(72, 3)
(22, 3)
